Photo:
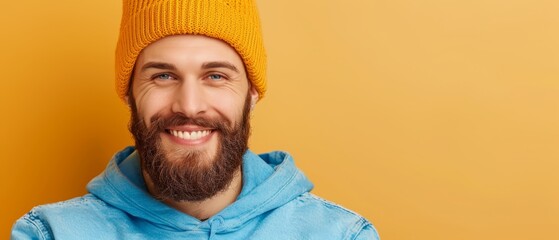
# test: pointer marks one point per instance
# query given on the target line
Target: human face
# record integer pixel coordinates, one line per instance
(190, 101)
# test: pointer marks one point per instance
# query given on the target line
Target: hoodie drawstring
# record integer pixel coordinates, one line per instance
(214, 225)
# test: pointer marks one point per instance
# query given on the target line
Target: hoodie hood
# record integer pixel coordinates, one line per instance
(269, 181)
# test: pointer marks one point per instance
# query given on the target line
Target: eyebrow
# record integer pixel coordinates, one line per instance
(227, 65)
(206, 65)
(159, 65)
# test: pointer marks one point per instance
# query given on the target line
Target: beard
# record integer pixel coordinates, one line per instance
(187, 174)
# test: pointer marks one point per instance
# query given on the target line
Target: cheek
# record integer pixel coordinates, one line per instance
(231, 108)
(151, 104)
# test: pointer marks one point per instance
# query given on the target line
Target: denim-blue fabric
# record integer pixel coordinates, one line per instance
(274, 203)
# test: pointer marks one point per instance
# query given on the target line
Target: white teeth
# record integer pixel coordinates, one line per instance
(190, 135)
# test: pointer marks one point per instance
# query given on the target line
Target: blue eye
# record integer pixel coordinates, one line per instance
(164, 76)
(215, 77)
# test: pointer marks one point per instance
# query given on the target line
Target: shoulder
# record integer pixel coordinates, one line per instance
(75, 207)
(31, 226)
(333, 217)
(46, 221)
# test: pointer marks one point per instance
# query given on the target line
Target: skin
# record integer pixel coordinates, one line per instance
(195, 76)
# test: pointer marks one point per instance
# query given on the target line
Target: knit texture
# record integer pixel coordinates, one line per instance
(233, 21)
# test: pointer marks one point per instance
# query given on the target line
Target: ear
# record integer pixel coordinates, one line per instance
(129, 97)
(253, 96)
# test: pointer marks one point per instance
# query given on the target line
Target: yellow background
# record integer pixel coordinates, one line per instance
(435, 119)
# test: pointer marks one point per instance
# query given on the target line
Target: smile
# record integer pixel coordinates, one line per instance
(194, 135)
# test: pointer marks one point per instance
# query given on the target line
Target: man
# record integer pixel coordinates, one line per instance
(191, 72)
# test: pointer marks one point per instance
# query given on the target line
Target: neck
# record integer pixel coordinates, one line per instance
(206, 208)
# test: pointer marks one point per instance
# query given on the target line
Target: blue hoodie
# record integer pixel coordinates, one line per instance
(274, 203)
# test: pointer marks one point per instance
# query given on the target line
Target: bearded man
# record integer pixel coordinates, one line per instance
(191, 72)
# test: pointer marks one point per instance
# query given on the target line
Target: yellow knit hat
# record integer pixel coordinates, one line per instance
(233, 21)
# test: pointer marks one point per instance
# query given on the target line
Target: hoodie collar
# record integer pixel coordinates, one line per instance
(269, 181)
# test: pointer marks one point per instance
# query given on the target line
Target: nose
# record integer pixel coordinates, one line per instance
(189, 99)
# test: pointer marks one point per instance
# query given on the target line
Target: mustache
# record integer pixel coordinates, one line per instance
(161, 123)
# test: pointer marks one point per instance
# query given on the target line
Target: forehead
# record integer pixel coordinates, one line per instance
(183, 49)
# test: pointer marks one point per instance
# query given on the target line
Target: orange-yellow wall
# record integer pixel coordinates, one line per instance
(435, 119)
